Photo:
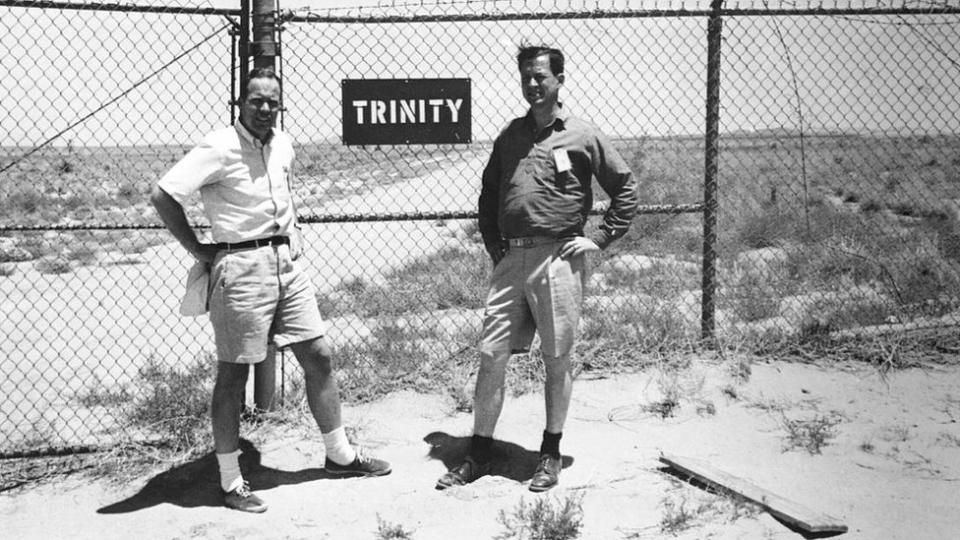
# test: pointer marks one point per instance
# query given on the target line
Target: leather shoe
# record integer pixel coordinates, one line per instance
(244, 500)
(362, 465)
(547, 475)
(465, 473)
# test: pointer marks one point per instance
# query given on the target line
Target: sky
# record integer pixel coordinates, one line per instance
(87, 78)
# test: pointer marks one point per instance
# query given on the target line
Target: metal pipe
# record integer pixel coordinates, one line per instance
(711, 154)
(244, 40)
(264, 50)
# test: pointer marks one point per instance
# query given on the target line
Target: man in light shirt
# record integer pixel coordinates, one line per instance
(258, 292)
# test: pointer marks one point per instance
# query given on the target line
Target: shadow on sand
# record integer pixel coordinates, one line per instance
(511, 460)
(197, 483)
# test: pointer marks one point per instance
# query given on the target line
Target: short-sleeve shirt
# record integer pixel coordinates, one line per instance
(243, 183)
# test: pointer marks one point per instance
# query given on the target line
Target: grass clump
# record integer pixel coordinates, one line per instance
(811, 434)
(668, 382)
(53, 265)
(174, 402)
(450, 278)
(677, 382)
(767, 229)
(685, 511)
(678, 516)
(391, 531)
(397, 356)
(84, 253)
(757, 298)
(99, 395)
(545, 519)
(649, 326)
(948, 440)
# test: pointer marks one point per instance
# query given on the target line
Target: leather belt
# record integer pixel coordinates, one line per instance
(249, 244)
(528, 241)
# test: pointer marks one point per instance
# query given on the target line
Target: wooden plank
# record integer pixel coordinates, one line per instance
(789, 511)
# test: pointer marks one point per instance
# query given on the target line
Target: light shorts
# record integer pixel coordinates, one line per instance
(260, 295)
(533, 289)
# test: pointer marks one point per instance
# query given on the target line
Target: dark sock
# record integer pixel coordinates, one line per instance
(551, 444)
(481, 448)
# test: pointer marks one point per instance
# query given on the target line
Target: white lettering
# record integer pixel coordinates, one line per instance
(359, 104)
(377, 108)
(454, 107)
(408, 111)
(435, 105)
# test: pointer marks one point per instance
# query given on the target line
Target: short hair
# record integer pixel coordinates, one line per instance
(257, 73)
(529, 52)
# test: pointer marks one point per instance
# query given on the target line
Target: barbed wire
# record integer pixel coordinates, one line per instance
(120, 7)
(507, 9)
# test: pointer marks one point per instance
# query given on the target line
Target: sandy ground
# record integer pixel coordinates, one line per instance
(891, 470)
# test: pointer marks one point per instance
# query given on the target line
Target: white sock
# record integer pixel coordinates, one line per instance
(338, 447)
(230, 477)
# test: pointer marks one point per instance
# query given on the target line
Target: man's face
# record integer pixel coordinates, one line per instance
(259, 110)
(541, 87)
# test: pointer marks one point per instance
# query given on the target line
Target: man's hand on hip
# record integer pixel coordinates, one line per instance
(577, 246)
(205, 253)
(496, 251)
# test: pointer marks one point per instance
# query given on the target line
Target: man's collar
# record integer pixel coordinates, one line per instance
(562, 114)
(560, 119)
(250, 137)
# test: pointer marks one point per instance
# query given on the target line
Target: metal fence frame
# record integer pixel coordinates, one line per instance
(715, 14)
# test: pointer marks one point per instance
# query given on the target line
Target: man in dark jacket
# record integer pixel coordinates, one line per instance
(534, 203)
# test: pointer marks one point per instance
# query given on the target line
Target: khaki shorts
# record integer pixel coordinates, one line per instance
(260, 295)
(533, 289)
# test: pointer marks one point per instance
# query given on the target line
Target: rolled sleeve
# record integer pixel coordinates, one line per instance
(193, 171)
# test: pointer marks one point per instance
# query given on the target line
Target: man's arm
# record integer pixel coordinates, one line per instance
(618, 181)
(173, 216)
(489, 207)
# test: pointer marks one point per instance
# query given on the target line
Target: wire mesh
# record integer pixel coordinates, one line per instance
(837, 173)
(98, 104)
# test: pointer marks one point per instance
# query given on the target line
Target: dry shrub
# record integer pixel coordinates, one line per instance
(547, 518)
(173, 402)
(811, 434)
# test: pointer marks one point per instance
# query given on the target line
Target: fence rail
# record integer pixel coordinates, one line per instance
(837, 183)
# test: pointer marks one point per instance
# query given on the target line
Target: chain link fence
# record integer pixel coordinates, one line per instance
(99, 102)
(838, 177)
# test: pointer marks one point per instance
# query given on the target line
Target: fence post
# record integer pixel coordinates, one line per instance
(244, 40)
(711, 151)
(264, 50)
